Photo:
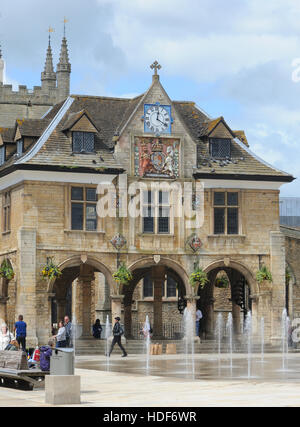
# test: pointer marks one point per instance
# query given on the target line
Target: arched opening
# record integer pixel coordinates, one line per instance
(82, 292)
(156, 290)
(228, 291)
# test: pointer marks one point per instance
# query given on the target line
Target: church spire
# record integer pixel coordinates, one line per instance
(63, 69)
(48, 76)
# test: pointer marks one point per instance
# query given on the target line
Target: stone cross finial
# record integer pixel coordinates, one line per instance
(156, 66)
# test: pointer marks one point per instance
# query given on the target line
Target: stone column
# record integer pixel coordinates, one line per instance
(3, 310)
(277, 264)
(209, 325)
(26, 285)
(128, 320)
(86, 305)
(61, 308)
(158, 277)
(236, 318)
(191, 306)
(116, 306)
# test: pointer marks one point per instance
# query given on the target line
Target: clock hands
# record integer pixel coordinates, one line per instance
(158, 119)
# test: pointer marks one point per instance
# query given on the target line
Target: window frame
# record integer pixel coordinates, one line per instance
(164, 290)
(156, 205)
(20, 143)
(2, 155)
(213, 141)
(6, 212)
(84, 202)
(226, 206)
(83, 150)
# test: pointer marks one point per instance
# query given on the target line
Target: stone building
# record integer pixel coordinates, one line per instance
(150, 182)
(33, 103)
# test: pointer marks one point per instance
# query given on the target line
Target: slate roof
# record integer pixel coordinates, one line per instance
(110, 115)
(32, 127)
(7, 134)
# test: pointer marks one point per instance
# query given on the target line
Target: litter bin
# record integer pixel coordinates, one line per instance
(62, 361)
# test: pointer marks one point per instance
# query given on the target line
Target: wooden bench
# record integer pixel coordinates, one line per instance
(22, 379)
(14, 371)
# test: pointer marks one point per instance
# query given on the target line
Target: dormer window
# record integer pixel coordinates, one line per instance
(20, 147)
(220, 148)
(83, 142)
(2, 155)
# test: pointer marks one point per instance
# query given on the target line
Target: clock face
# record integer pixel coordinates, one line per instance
(157, 118)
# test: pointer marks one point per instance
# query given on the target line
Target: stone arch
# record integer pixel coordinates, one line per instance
(240, 268)
(76, 260)
(168, 262)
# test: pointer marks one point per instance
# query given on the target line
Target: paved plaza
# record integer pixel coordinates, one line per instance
(219, 386)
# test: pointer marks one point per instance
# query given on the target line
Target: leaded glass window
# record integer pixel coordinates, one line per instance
(83, 142)
(171, 287)
(2, 155)
(83, 209)
(6, 211)
(147, 286)
(220, 148)
(156, 211)
(226, 212)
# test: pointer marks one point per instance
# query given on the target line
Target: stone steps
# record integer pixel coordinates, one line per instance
(91, 346)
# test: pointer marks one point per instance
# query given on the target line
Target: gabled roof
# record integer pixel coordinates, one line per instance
(110, 116)
(32, 127)
(7, 134)
(74, 118)
(240, 134)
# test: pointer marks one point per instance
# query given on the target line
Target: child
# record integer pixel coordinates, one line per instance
(46, 353)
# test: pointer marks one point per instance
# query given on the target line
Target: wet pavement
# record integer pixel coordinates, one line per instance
(272, 367)
(170, 382)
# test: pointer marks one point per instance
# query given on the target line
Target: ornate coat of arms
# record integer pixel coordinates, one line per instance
(157, 157)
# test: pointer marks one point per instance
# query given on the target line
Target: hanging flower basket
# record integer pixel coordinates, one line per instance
(6, 270)
(263, 275)
(198, 278)
(51, 270)
(222, 282)
(122, 276)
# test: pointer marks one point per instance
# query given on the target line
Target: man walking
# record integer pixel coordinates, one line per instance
(117, 333)
(20, 331)
(68, 327)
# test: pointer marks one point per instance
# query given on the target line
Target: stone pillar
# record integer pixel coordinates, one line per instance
(128, 320)
(116, 306)
(191, 306)
(3, 310)
(158, 277)
(209, 325)
(86, 305)
(102, 302)
(26, 285)
(61, 308)
(277, 265)
(236, 318)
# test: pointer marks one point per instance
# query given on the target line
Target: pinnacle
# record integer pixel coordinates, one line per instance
(64, 56)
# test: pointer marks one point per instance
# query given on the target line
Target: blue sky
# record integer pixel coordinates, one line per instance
(232, 58)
